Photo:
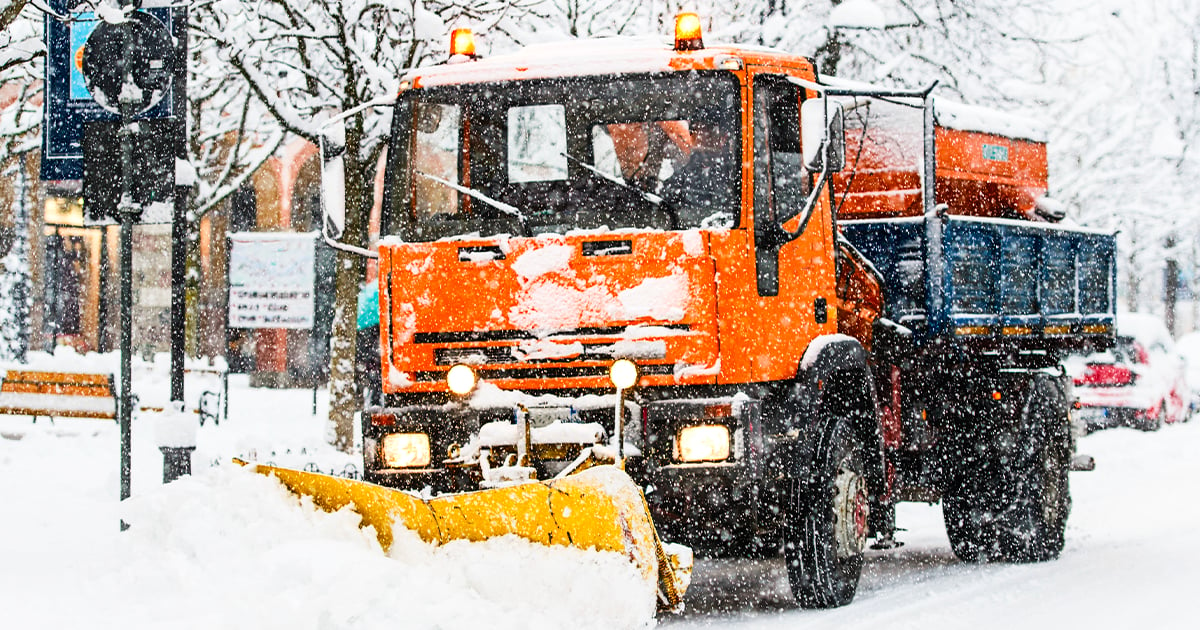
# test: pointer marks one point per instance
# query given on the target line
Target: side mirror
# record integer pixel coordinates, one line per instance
(837, 138)
(333, 179)
(822, 135)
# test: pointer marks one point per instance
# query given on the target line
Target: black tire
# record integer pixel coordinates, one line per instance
(1155, 423)
(1014, 508)
(827, 522)
(1033, 529)
(969, 525)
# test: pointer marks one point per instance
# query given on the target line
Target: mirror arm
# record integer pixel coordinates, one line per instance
(830, 90)
(807, 211)
(336, 244)
(382, 101)
(325, 150)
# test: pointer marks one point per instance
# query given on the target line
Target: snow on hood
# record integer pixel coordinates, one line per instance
(554, 297)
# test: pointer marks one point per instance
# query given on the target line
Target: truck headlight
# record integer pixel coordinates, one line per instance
(461, 379)
(703, 443)
(405, 450)
(623, 373)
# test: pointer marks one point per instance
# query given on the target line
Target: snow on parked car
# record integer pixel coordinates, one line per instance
(1188, 346)
(1141, 382)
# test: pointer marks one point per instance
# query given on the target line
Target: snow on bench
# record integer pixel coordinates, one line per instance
(57, 394)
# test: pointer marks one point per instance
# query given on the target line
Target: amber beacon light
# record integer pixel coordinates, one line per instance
(462, 42)
(688, 34)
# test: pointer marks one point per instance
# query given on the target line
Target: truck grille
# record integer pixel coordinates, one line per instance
(466, 336)
(545, 372)
(491, 355)
(474, 356)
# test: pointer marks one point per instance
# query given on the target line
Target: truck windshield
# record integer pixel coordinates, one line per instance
(655, 151)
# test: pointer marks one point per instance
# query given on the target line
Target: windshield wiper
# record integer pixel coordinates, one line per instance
(475, 194)
(658, 202)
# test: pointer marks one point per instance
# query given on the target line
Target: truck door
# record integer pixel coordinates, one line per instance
(781, 183)
(777, 276)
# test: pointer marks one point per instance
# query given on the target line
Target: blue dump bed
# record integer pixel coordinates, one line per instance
(1001, 282)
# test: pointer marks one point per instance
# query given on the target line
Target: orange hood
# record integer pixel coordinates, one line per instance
(550, 311)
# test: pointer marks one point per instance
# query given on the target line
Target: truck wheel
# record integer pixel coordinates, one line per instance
(1015, 507)
(1033, 529)
(969, 525)
(827, 523)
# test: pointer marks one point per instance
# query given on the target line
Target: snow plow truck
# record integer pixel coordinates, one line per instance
(635, 291)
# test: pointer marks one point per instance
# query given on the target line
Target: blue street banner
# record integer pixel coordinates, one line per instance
(68, 102)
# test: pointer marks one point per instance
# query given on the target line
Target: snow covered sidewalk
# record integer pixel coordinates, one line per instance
(228, 548)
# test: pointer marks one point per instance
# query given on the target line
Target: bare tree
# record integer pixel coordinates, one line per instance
(9, 10)
(21, 58)
(304, 60)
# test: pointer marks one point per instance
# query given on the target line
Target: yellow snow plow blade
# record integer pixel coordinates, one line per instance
(599, 508)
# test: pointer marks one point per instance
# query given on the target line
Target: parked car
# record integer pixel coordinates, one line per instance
(1189, 347)
(1141, 382)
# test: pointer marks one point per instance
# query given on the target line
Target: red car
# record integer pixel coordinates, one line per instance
(1140, 383)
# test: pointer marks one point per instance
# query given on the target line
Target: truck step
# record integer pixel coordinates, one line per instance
(1083, 463)
(886, 543)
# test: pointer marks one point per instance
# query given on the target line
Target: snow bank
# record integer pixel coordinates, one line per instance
(232, 548)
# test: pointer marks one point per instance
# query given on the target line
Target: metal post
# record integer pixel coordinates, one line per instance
(126, 323)
(928, 157)
(178, 293)
(525, 441)
(102, 317)
(55, 279)
(179, 226)
(934, 263)
(620, 427)
(127, 209)
(177, 462)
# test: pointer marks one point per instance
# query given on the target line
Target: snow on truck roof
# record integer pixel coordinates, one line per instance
(981, 119)
(580, 57)
(622, 55)
(963, 117)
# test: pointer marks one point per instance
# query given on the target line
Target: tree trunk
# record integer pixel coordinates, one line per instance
(829, 55)
(351, 271)
(1170, 283)
(343, 390)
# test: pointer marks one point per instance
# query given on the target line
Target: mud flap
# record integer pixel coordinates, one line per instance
(599, 508)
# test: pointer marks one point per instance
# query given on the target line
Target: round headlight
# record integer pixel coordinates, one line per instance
(461, 379)
(623, 373)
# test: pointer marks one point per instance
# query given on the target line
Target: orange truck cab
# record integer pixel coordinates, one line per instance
(552, 212)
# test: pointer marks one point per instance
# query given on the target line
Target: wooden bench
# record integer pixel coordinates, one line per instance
(57, 395)
(213, 405)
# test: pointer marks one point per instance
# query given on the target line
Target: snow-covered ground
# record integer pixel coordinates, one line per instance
(229, 548)
(1131, 560)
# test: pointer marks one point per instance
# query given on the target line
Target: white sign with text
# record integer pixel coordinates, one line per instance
(271, 277)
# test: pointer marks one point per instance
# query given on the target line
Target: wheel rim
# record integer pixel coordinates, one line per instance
(851, 511)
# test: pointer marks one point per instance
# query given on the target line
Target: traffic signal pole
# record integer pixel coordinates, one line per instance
(179, 222)
(177, 458)
(128, 211)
